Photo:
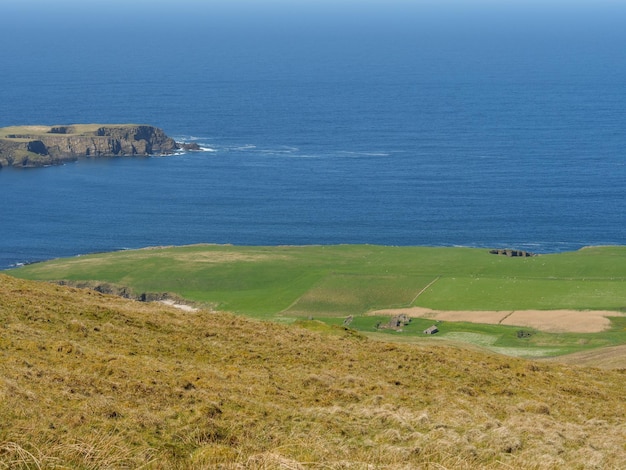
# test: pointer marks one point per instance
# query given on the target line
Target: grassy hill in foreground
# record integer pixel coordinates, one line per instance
(93, 381)
(329, 283)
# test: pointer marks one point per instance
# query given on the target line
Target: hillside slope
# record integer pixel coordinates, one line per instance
(93, 381)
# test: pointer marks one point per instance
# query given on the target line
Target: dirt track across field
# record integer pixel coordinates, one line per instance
(551, 321)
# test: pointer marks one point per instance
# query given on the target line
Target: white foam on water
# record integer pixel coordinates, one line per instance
(356, 154)
(244, 147)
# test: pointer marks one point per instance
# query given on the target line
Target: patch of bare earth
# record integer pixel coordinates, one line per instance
(563, 321)
(184, 307)
(551, 321)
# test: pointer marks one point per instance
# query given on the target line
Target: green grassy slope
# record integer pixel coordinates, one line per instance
(331, 282)
(94, 381)
(356, 278)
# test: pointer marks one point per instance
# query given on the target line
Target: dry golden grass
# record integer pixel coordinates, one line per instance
(92, 381)
(38, 130)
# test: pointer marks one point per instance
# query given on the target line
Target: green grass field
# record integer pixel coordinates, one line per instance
(329, 283)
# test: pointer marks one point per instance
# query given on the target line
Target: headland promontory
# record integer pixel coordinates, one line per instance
(36, 146)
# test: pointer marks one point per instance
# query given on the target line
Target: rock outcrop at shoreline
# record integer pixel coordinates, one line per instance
(512, 253)
(36, 146)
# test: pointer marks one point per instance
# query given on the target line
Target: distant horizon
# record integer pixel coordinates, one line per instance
(560, 10)
(57, 24)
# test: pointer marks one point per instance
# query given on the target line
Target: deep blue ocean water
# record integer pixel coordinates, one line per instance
(391, 124)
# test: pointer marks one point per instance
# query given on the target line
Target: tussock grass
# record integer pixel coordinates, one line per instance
(94, 381)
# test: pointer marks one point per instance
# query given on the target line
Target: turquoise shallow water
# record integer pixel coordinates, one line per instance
(408, 128)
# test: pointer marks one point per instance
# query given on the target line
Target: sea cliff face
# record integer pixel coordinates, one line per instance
(35, 146)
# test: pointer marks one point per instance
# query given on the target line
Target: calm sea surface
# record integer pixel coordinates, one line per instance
(398, 127)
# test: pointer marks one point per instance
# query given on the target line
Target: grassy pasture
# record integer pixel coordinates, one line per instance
(502, 293)
(329, 283)
(354, 294)
(497, 338)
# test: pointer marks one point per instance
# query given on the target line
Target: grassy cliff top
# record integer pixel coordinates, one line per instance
(384, 276)
(94, 381)
(32, 132)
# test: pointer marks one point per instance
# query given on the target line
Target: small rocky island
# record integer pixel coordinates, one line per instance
(36, 146)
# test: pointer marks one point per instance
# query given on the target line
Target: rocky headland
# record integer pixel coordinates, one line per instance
(36, 146)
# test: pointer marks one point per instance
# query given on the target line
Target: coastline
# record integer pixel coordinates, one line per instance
(26, 262)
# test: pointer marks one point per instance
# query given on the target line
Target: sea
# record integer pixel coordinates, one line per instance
(394, 123)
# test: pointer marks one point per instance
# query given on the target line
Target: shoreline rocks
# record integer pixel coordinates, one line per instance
(512, 253)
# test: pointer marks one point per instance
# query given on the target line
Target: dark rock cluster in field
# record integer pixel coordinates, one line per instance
(123, 291)
(34, 146)
(510, 253)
